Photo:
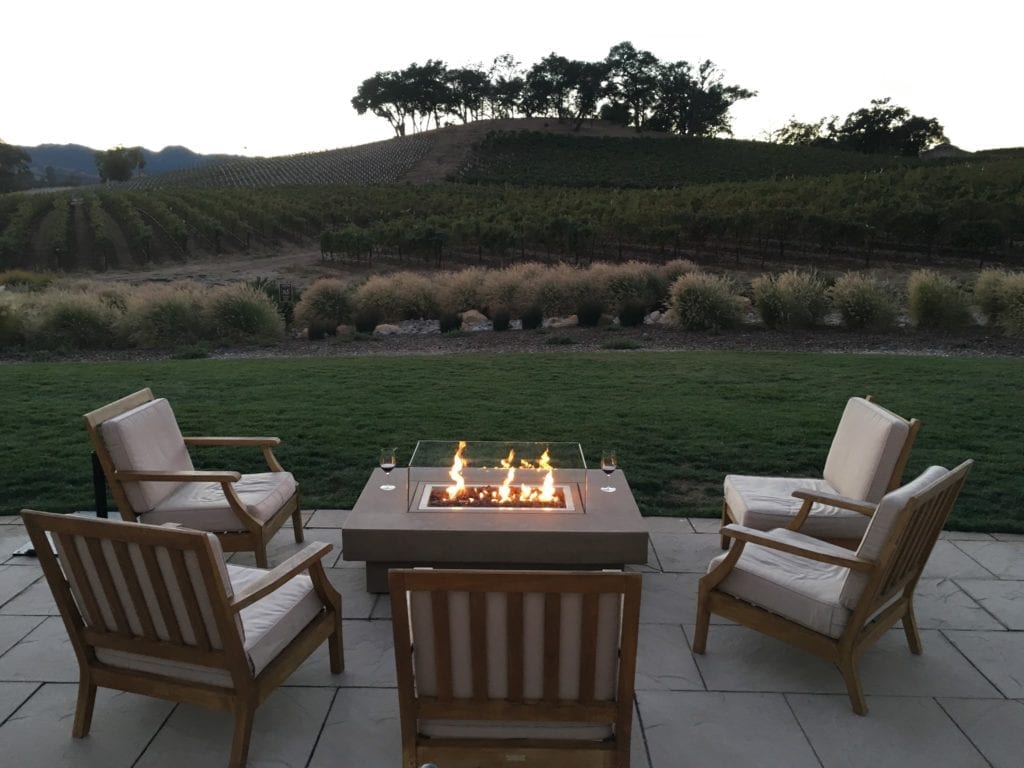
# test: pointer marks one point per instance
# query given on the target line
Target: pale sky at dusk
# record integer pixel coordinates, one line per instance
(270, 78)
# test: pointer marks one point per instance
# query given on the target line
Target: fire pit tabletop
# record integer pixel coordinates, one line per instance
(382, 530)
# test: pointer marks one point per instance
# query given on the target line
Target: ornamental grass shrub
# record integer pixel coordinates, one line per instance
(66, 319)
(863, 302)
(466, 289)
(1011, 312)
(324, 306)
(12, 324)
(700, 301)
(790, 300)
(240, 314)
(400, 296)
(988, 293)
(513, 287)
(559, 290)
(936, 302)
(25, 280)
(165, 316)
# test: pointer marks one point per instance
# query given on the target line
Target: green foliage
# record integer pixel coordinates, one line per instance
(1011, 316)
(863, 302)
(631, 313)
(119, 163)
(12, 325)
(532, 318)
(22, 279)
(790, 300)
(242, 315)
(988, 293)
(589, 311)
(366, 318)
(324, 306)
(66, 320)
(14, 168)
(166, 316)
(936, 301)
(449, 322)
(399, 296)
(466, 289)
(501, 320)
(704, 302)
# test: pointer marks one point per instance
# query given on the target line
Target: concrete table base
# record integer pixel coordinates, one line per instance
(605, 531)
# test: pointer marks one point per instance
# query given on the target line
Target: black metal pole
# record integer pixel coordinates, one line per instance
(99, 486)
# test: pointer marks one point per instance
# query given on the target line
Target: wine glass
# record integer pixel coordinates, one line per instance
(388, 461)
(608, 466)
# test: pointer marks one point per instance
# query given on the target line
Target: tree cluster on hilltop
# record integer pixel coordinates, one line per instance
(629, 87)
(884, 128)
(14, 172)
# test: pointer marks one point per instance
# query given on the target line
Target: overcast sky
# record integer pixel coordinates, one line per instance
(270, 78)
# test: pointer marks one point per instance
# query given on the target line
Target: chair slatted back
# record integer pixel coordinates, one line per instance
(913, 537)
(148, 590)
(516, 645)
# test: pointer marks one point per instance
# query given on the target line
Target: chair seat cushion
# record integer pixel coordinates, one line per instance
(765, 503)
(802, 590)
(482, 729)
(204, 507)
(269, 625)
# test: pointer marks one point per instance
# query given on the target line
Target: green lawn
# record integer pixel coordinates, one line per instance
(680, 421)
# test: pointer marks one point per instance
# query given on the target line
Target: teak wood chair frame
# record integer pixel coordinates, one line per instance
(252, 536)
(246, 691)
(893, 577)
(811, 497)
(492, 752)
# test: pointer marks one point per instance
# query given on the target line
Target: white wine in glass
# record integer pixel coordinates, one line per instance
(388, 461)
(608, 466)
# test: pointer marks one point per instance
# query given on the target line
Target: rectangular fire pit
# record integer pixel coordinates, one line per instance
(568, 523)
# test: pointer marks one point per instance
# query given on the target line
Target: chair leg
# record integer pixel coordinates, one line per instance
(848, 668)
(84, 707)
(260, 551)
(244, 717)
(336, 649)
(726, 519)
(700, 635)
(297, 525)
(910, 630)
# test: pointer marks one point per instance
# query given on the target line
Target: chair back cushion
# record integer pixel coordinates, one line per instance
(866, 447)
(146, 438)
(880, 529)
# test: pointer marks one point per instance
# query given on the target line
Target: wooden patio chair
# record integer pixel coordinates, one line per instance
(505, 667)
(869, 453)
(787, 585)
(155, 610)
(147, 465)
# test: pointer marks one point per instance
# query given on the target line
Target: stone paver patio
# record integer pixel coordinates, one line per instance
(750, 701)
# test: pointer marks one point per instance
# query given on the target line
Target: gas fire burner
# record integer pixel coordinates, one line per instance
(541, 508)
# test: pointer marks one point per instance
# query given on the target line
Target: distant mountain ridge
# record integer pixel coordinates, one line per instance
(77, 161)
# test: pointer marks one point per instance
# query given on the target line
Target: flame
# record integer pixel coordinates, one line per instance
(505, 493)
(455, 473)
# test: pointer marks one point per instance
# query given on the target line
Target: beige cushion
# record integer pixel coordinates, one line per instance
(146, 438)
(865, 449)
(269, 625)
(204, 507)
(570, 630)
(765, 503)
(882, 522)
(802, 590)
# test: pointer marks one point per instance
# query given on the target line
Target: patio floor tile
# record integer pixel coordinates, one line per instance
(1003, 558)
(686, 553)
(949, 562)
(13, 695)
(664, 661)
(328, 518)
(1003, 599)
(44, 655)
(14, 579)
(995, 726)
(712, 730)
(942, 604)
(35, 600)
(999, 656)
(39, 733)
(283, 734)
(898, 731)
(369, 659)
(14, 628)
(362, 729)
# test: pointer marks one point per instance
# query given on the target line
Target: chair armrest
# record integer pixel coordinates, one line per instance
(249, 441)
(194, 476)
(835, 500)
(302, 560)
(765, 539)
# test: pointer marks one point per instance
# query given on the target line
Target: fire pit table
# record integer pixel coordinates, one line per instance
(493, 505)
